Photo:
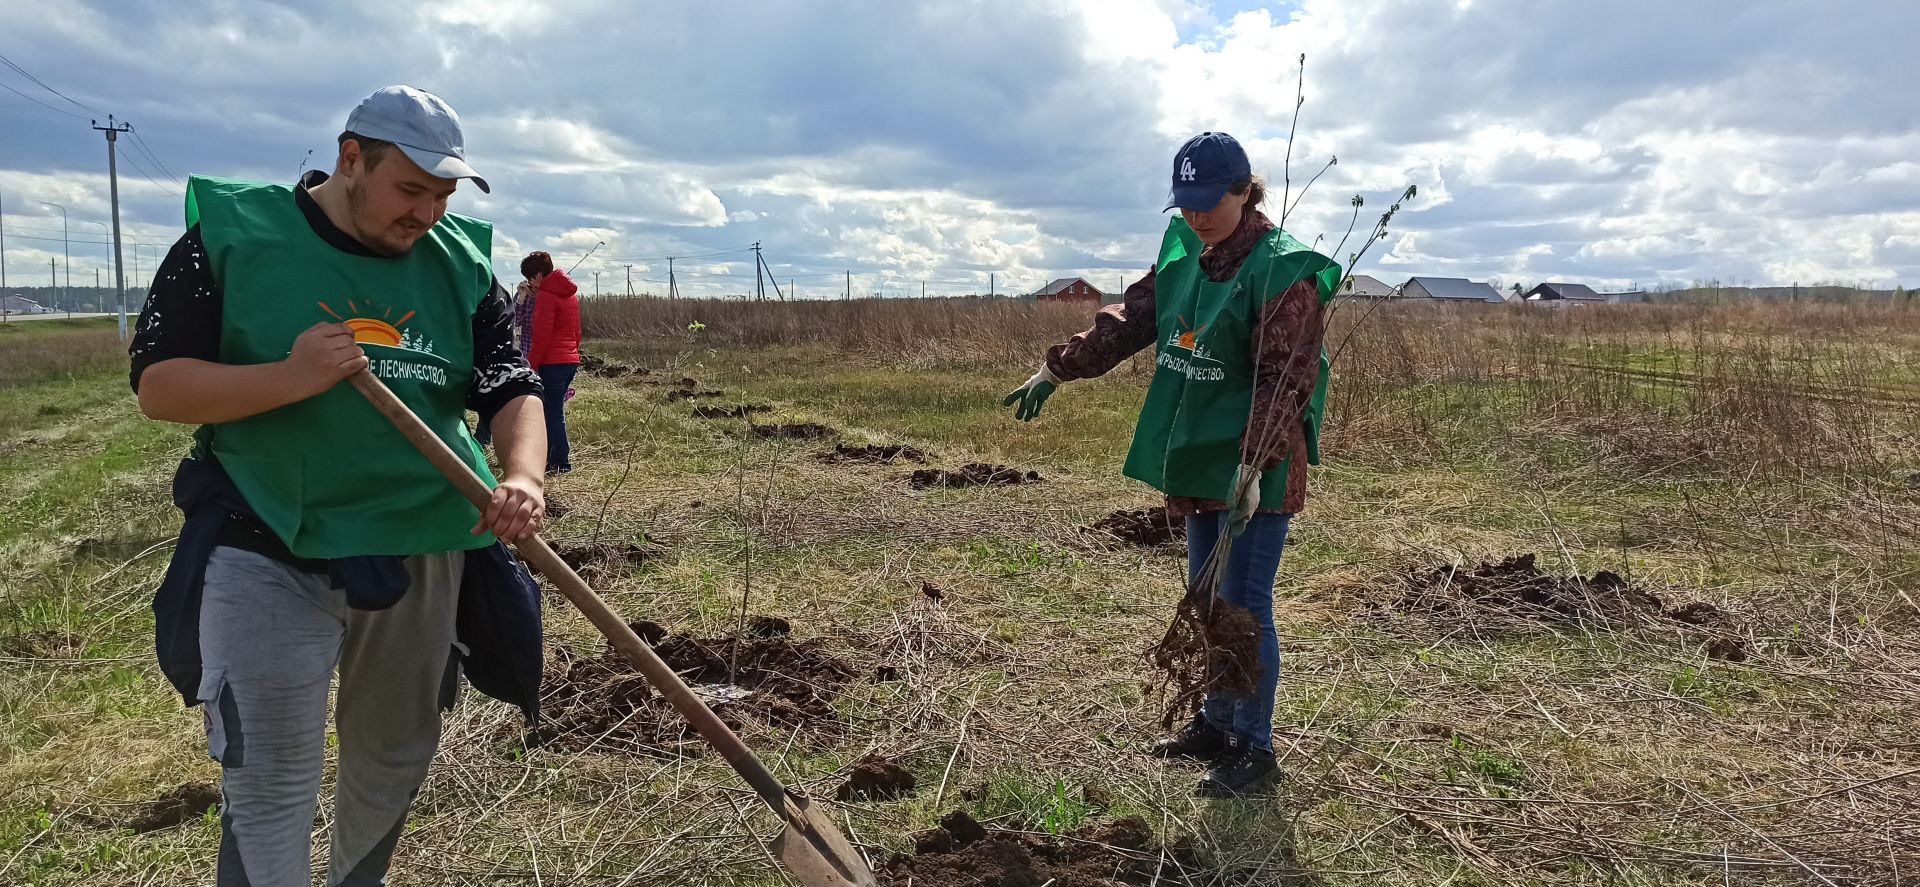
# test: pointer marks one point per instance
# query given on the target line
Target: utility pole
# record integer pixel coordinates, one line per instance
(629, 281)
(113, 188)
(759, 279)
(759, 287)
(596, 284)
(3, 242)
(673, 286)
(990, 283)
(67, 255)
(849, 284)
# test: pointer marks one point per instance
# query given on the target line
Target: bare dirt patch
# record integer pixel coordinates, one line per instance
(874, 778)
(977, 474)
(733, 411)
(690, 392)
(1515, 593)
(594, 365)
(1517, 587)
(962, 852)
(601, 557)
(604, 702)
(794, 431)
(872, 454)
(1146, 526)
(184, 804)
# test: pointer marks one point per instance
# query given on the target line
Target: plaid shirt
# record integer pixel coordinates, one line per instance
(1286, 358)
(523, 316)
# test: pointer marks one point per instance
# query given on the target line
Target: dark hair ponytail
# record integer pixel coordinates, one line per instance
(1254, 187)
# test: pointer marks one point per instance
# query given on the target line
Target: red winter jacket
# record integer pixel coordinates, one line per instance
(556, 322)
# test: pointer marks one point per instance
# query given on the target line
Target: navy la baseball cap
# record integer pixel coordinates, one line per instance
(424, 127)
(1204, 168)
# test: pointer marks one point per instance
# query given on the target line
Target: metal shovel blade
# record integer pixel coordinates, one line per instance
(813, 851)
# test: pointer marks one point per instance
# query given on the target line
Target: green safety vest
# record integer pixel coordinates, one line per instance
(1187, 442)
(329, 474)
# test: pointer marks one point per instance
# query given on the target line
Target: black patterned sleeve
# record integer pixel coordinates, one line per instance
(500, 371)
(182, 314)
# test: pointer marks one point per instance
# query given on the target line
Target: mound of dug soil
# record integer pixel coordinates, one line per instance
(593, 365)
(794, 431)
(689, 392)
(977, 474)
(736, 411)
(1148, 526)
(184, 804)
(875, 778)
(604, 701)
(598, 557)
(961, 852)
(1517, 587)
(872, 454)
(1515, 590)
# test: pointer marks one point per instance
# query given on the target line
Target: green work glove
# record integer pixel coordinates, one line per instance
(1031, 395)
(1246, 499)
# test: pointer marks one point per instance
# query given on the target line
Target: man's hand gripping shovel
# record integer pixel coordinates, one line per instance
(809, 846)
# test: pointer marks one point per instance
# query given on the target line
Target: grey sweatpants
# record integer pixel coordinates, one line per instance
(270, 639)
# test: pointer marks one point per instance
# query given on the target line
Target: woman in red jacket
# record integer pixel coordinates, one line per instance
(556, 349)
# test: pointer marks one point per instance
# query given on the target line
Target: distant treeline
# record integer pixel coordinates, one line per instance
(1713, 294)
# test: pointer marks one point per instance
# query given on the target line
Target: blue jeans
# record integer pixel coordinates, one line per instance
(555, 378)
(1252, 564)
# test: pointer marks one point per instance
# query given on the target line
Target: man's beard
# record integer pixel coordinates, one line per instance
(377, 242)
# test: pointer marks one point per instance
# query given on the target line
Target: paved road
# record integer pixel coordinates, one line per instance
(16, 318)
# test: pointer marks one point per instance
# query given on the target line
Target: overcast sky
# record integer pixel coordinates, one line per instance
(1625, 143)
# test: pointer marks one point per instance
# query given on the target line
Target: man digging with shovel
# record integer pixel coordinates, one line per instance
(316, 538)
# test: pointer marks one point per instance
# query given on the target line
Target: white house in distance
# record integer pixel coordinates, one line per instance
(1363, 286)
(1555, 291)
(22, 305)
(1561, 294)
(1450, 289)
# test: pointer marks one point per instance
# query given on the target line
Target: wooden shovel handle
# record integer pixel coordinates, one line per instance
(538, 554)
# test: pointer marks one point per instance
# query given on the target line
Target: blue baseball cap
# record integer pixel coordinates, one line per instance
(424, 127)
(1204, 168)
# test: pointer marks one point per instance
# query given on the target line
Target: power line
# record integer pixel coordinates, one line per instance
(104, 240)
(149, 177)
(41, 103)
(43, 85)
(141, 143)
(693, 257)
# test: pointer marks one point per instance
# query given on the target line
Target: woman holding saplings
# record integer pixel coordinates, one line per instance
(1231, 420)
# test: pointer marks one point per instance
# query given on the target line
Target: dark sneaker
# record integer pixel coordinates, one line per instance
(1200, 740)
(1240, 770)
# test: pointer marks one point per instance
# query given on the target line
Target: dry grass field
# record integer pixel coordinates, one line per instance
(1621, 595)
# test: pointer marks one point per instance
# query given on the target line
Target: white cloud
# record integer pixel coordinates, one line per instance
(948, 141)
